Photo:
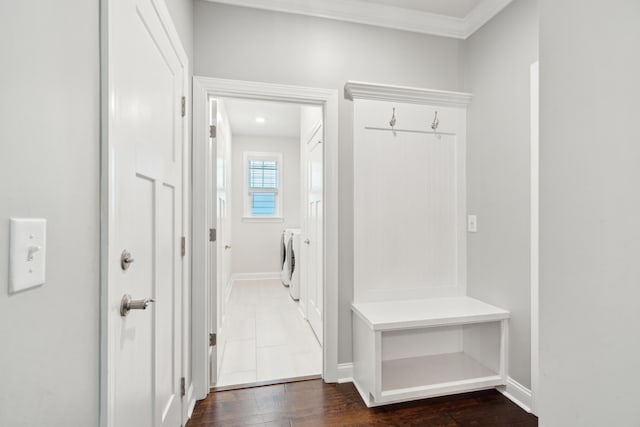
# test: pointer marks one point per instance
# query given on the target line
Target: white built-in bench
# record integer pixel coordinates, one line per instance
(405, 350)
(409, 251)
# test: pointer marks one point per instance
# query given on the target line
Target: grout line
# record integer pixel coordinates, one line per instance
(280, 302)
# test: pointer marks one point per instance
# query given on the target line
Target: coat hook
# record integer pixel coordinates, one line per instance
(392, 122)
(435, 123)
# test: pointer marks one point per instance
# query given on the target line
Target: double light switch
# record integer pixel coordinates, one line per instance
(27, 253)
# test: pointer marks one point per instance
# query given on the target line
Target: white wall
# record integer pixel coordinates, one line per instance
(248, 44)
(49, 167)
(497, 71)
(182, 15)
(590, 200)
(256, 245)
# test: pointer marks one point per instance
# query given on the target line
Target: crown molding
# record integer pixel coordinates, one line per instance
(483, 13)
(415, 95)
(361, 12)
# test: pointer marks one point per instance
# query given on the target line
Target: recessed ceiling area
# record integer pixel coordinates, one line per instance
(279, 119)
(447, 18)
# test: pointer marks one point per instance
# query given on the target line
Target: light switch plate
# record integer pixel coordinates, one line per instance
(472, 223)
(27, 253)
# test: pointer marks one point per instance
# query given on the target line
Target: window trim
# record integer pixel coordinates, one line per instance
(263, 155)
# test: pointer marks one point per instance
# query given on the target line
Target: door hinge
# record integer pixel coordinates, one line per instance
(183, 246)
(184, 106)
(212, 340)
(183, 390)
(212, 131)
(212, 234)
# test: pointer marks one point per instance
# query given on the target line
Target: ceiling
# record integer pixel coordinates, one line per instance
(281, 119)
(455, 8)
(448, 18)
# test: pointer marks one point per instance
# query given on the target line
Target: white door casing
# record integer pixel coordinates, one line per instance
(535, 233)
(143, 137)
(204, 89)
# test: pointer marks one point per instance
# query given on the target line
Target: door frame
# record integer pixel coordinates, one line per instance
(205, 88)
(106, 401)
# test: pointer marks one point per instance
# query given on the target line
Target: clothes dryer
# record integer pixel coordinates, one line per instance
(286, 264)
(283, 256)
(285, 275)
(294, 265)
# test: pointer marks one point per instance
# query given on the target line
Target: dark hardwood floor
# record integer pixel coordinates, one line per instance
(314, 403)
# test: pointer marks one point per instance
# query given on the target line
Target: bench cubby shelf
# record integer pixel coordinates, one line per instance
(412, 349)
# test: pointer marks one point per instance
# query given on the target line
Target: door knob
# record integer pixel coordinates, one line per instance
(307, 241)
(227, 247)
(126, 259)
(127, 304)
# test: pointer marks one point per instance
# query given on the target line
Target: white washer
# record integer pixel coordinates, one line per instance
(294, 265)
(284, 241)
(286, 266)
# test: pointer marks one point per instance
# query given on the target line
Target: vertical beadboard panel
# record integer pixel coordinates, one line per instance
(408, 215)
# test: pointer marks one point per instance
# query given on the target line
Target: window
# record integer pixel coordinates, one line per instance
(263, 193)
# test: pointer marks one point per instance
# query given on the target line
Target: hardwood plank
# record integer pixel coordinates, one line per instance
(314, 403)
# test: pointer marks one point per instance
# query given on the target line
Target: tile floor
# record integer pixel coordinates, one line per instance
(266, 336)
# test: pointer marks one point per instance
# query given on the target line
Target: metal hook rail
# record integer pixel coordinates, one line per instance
(427, 132)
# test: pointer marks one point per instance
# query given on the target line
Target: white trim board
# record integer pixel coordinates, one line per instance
(383, 92)
(514, 391)
(191, 402)
(379, 15)
(205, 88)
(517, 393)
(345, 373)
(535, 235)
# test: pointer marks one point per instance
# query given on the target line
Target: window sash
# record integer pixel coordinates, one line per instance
(264, 205)
(263, 176)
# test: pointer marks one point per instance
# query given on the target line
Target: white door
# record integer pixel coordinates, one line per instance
(219, 284)
(313, 233)
(145, 128)
(220, 162)
(213, 253)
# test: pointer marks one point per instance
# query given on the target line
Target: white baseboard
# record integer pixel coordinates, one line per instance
(345, 372)
(192, 402)
(514, 391)
(192, 406)
(517, 393)
(256, 276)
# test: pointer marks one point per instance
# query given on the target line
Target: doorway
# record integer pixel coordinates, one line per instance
(267, 158)
(210, 316)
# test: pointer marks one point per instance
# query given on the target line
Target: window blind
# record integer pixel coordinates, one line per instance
(263, 174)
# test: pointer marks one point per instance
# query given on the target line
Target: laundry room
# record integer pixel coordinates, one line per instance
(265, 258)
